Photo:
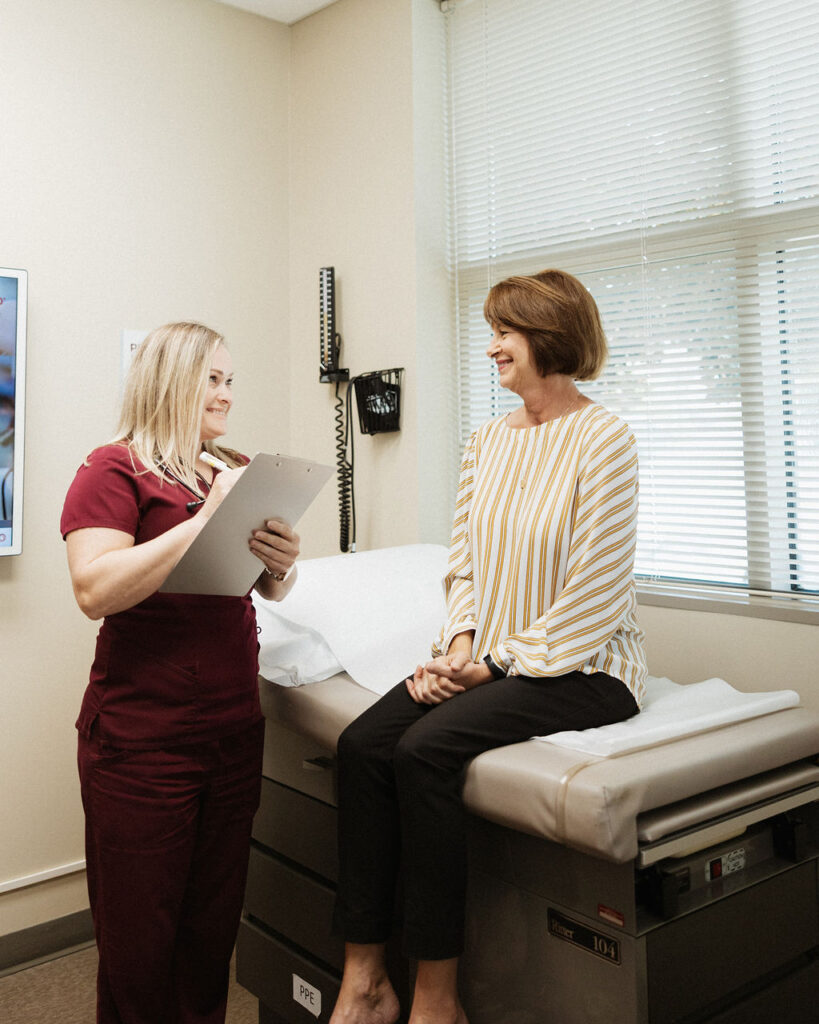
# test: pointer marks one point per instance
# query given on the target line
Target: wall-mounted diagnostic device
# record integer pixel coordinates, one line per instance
(329, 340)
(378, 397)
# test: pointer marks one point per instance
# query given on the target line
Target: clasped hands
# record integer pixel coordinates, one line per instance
(445, 677)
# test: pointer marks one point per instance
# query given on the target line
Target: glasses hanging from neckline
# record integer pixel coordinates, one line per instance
(191, 505)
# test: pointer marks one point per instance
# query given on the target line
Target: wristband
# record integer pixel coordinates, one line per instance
(498, 671)
(280, 577)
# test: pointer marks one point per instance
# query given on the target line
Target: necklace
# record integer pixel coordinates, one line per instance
(575, 400)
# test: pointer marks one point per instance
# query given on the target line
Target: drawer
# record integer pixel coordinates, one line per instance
(295, 905)
(296, 989)
(703, 957)
(299, 763)
(299, 827)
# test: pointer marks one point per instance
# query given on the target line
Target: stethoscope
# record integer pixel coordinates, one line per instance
(191, 505)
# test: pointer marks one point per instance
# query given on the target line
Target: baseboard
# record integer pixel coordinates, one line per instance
(44, 941)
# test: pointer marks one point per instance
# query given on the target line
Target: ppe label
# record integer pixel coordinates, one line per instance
(306, 995)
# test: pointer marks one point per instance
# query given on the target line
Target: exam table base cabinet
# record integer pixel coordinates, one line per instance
(552, 934)
(287, 955)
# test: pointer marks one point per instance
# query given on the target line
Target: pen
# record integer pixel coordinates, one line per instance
(211, 460)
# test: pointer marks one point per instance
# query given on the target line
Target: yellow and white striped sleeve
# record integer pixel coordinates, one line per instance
(458, 582)
(597, 592)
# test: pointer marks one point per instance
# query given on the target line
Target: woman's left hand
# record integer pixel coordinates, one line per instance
(460, 668)
(446, 677)
(276, 546)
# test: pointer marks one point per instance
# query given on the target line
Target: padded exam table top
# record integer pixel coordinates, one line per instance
(639, 804)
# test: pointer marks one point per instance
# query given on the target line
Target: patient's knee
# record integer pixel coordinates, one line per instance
(353, 742)
(417, 751)
(363, 742)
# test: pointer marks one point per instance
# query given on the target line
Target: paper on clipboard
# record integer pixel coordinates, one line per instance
(219, 560)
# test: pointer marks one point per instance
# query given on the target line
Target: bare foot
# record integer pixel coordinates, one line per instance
(373, 1003)
(435, 998)
(446, 1014)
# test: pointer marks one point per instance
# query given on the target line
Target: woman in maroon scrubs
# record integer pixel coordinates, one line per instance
(170, 730)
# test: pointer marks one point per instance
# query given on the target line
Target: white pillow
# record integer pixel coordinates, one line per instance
(290, 654)
(373, 614)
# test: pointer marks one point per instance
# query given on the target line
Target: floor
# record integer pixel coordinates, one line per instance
(62, 991)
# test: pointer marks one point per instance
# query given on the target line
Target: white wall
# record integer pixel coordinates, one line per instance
(437, 392)
(143, 178)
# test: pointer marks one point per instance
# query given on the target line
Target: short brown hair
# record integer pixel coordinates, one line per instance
(558, 317)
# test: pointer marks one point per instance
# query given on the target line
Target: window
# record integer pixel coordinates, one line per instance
(668, 155)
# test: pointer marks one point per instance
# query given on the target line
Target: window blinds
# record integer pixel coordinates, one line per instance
(666, 154)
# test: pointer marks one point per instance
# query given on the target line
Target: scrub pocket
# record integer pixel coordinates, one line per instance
(147, 700)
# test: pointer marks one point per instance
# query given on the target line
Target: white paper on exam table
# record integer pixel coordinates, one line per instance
(219, 560)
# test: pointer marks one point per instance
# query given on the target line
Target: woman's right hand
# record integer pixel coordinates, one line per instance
(222, 483)
(111, 573)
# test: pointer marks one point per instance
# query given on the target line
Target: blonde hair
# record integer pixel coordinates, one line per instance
(161, 414)
(559, 318)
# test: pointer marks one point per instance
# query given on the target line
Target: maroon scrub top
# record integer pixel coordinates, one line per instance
(175, 668)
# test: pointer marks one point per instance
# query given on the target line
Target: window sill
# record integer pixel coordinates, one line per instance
(727, 601)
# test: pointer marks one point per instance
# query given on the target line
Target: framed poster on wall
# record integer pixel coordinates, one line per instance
(13, 298)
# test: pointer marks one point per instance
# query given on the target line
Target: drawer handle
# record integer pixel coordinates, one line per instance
(318, 764)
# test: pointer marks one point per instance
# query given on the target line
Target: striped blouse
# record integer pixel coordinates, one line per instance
(542, 551)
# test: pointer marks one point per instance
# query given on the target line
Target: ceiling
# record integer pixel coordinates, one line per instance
(287, 11)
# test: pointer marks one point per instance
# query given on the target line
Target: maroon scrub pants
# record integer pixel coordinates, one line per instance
(167, 842)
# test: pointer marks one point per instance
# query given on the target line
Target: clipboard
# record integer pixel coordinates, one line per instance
(219, 560)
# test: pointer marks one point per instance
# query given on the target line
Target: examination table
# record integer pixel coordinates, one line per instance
(671, 881)
(669, 885)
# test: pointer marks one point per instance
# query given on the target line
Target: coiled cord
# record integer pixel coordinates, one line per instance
(345, 468)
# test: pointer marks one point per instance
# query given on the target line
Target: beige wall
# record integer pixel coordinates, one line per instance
(179, 158)
(351, 207)
(752, 654)
(366, 196)
(143, 178)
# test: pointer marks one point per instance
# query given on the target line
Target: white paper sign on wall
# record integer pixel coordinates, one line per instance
(131, 340)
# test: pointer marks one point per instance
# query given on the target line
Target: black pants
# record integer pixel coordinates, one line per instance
(401, 769)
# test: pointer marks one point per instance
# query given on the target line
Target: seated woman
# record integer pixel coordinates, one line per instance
(541, 635)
